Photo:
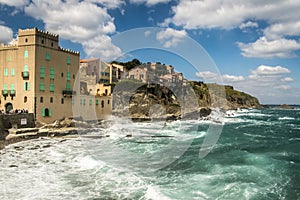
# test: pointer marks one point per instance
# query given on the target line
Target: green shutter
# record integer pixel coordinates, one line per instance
(43, 112)
(5, 72)
(68, 86)
(9, 59)
(91, 102)
(51, 87)
(50, 112)
(68, 60)
(68, 76)
(5, 88)
(12, 88)
(47, 56)
(28, 87)
(42, 72)
(12, 71)
(51, 73)
(97, 102)
(83, 101)
(26, 68)
(25, 54)
(42, 87)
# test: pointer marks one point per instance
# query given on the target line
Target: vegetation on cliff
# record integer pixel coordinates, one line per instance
(155, 101)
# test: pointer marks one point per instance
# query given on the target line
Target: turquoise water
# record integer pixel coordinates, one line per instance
(257, 156)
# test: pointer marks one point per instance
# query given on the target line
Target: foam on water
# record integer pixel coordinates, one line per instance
(256, 157)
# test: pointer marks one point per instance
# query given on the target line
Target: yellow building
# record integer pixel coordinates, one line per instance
(38, 75)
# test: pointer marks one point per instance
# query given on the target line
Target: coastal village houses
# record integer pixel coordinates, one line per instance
(157, 73)
(38, 76)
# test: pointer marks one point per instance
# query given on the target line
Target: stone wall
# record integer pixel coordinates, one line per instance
(22, 120)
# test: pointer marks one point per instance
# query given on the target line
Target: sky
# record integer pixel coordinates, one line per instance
(252, 45)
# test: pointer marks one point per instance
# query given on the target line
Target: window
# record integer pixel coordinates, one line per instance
(26, 40)
(102, 103)
(5, 72)
(42, 87)
(47, 112)
(91, 102)
(97, 102)
(73, 76)
(68, 76)
(9, 59)
(12, 88)
(51, 73)
(42, 72)
(12, 72)
(68, 60)
(25, 99)
(25, 54)
(42, 41)
(68, 86)
(41, 99)
(108, 101)
(25, 71)
(62, 101)
(62, 74)
(5, 88)
(26, 86)
(51, 87)
(51, 44)
(51, 99)
(47, 56)
(83, 101)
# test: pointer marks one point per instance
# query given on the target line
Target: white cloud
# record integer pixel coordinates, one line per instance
(81, 22)
(228, 14)
(287, 79)
(209, 76)
(248, 24)
(110, 4)
(101, 46)
(269, 70)
(232, 78)
(170, 37)
(16, 3)
(6, 34)
(264, 48)
(279, 30)
(268, 83)
(149, 2)
(282, 17)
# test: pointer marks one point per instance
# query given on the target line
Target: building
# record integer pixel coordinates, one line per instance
(98, 77)
(36, 74)
(95, 87)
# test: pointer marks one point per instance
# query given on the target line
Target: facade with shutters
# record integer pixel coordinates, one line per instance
(37, 75)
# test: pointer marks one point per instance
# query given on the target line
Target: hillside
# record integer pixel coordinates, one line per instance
(155, 101)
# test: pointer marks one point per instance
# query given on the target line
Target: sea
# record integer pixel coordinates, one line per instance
(243, 154)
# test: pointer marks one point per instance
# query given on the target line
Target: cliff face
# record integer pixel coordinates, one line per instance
(196, 99)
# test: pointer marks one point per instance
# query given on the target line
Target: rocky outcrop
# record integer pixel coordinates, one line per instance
(192, 101)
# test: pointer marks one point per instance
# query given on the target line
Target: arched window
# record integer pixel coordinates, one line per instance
(46, 112)
(41, 99)
(25, 99)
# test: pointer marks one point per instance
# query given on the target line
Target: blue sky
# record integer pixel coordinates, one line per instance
(253, 45)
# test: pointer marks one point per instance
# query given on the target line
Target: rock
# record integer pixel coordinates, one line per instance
(285, 106)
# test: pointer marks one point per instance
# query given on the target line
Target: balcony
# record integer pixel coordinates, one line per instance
(5, 93)
(12, 93)
(68, 93)
(25, 75)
